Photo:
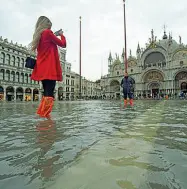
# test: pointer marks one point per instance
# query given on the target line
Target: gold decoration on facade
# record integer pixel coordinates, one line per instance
(132, 63)
(152, 40)
(182, 54)
(181, 76)
(153, 76)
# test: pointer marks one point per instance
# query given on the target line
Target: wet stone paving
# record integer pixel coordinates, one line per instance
(94, 145)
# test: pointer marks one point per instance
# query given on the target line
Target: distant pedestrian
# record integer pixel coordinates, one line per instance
(126, 84)
(47, 69)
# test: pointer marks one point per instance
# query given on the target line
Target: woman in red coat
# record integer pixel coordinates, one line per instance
(47, 69)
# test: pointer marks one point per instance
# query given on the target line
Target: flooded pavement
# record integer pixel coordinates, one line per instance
(94, 145)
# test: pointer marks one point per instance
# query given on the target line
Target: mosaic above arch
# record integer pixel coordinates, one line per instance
(153, 76)
(132, 63)
(181, 54)
(181, 75)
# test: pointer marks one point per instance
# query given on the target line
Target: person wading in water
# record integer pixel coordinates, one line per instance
(47, 69)
(126, 84)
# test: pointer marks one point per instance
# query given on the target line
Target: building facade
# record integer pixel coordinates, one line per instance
(16, 85)
(158, 69)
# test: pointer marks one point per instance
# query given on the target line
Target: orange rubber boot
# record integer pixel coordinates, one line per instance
(46, 107)
(40, 106)
(125, 103)
(131, 102)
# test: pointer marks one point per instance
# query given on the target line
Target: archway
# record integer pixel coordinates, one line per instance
(115, 89)
(10, 93)
(60, 93)
(35, 95)
(28, 93)
(1, 93)
(154, 89)
(153, 82)
(19, 94)
(181, 81)
(156, 59)
(184, 87)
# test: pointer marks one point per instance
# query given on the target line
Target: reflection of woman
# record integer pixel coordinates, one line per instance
(46, 138)
(47, 68)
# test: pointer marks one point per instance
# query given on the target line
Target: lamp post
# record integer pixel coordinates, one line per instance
(80, 62)
(125, 38)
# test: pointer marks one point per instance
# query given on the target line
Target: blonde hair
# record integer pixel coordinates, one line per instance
(42, 24)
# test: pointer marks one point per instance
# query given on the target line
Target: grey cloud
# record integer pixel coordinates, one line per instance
(102, 25)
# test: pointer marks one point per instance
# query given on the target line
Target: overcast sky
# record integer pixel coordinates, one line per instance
(102, 26)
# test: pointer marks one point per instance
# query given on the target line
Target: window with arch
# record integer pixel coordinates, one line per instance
(26, 78)
(2, 74)
(13, 61)
(12, 78)
(2, 60)
(7, 75)
(22, 63)
(8, 59)
(22, 78)
(18, 62)
(17, 76)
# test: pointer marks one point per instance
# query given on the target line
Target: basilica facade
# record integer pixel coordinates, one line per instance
(158, 69)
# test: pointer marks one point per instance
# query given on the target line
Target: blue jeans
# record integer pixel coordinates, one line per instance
(127, 94)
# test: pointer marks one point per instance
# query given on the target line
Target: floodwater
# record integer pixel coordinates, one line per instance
(94, 145)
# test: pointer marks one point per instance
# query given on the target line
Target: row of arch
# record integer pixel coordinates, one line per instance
(7, 75)
(153, 78)
(19, 94)
(12, 60)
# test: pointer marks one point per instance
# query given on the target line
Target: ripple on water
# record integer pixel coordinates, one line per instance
(95, 144)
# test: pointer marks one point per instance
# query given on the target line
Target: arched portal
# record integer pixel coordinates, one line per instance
(28, 93)
(153, 83)
(10, 93)
(181, 81)
(19, 94)
(35, 95)
(60, 93)
(1, 93)
(115, 89)
(184, 87)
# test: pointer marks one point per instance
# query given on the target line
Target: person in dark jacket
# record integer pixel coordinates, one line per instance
(126, 84)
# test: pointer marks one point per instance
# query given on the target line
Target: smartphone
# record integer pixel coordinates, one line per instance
(57, 32)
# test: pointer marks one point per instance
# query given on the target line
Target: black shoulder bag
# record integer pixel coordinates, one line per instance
(30, 62)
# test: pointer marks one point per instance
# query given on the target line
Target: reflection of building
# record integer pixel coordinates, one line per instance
(160, 68)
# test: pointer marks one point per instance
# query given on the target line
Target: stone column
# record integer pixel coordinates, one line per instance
(31, 94)
(23, 94)
(14, 94)
(4, 93)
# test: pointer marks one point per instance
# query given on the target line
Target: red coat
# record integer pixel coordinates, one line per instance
(48, 62)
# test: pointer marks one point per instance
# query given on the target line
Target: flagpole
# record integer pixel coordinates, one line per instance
(125, 38)
(80, 54)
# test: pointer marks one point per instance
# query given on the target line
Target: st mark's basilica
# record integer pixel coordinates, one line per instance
(158, 69)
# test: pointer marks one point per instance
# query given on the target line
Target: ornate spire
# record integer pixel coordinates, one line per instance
(138, 48)
(152, 35)
(180, 40)
(130, 53)
(123, 53)
(165, 35)
(110, 56)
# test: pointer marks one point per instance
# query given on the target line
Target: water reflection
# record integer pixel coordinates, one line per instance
(45, 139)
(94, 144)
